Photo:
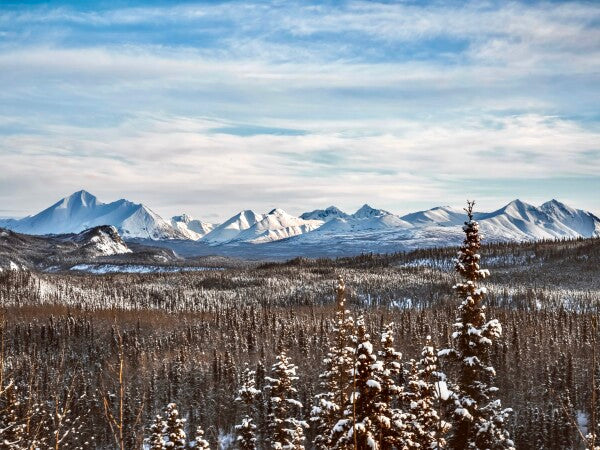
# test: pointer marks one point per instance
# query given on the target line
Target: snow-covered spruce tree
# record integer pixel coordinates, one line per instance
(478, 417)
(174, 428)
(358, 429)
(247, 395)
(389, 418)
(199, 441)
(157, 432)
(427, 388)
(283, 423)
(336, 379)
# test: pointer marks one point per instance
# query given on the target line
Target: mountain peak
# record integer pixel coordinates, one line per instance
(277, 212)
(80, 198)
(367, 211)
(518, 202)
(555, 204)
(326, 214)
(556, 208)
(185, 218)
(518, 206)
(440, 215)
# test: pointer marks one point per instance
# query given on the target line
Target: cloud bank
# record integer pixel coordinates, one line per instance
(210, 108)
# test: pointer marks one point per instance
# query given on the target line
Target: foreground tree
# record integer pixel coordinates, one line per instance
(286, 431)
(390, 419)
(247, 395)
(479, 420)
(358, 429)
(336, 378)
(426, 392)
(174, 428)
(199, 441)
(157, 433)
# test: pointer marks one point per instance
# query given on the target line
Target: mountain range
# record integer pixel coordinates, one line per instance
(366, 228)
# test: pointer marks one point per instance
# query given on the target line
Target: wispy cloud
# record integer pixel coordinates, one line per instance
(213, 107)
(172, 162)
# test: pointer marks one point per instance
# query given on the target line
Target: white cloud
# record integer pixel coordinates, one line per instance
(179, 160)
(393, 100)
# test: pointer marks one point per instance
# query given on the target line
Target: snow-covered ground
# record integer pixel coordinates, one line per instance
(100, 269)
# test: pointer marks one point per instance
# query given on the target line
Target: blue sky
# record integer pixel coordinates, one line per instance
(212, 107)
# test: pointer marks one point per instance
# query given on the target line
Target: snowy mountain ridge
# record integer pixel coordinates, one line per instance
(442, 225)
(81, 210)
(191, 228)
(276, 225)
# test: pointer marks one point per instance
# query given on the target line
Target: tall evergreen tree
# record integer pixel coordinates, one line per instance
(247, 395)
(358, 429)
(283, 423)
(427, 390)
(389, 420)
(336, 378)
(479, 420)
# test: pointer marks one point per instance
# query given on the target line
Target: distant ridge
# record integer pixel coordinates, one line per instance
(367, 228)
(82, 210)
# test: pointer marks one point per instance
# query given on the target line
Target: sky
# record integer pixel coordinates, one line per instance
(213, 107)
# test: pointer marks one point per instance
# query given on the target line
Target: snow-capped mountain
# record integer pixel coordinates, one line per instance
(82, 210)
(191, 228)
(276, 225)
(325, 215)
(441, 215)
(100, 241)
(232, 227)
(583, 222)
(368, 229)
(522, 221)
(438, 227)
(365, 211)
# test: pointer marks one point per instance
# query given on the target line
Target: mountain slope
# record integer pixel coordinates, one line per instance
(325, 215)
(98, 241)
(365, 212)
(582, 222)
(441, 215)
(232, 227)
(82, 210)
(25, 251)
(191, 228)
(519, 221)
(65, 216)
(276, 225)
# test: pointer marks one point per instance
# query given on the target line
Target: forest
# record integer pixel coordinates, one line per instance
(484, 346)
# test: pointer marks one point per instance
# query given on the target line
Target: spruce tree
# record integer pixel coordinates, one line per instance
(427, 390)
(157, 430)
(174, 429)
(336, 378)
(389, 420)
(247, 395)
(283, 423)
(200, 442)
(479, 420)
(358, 429)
